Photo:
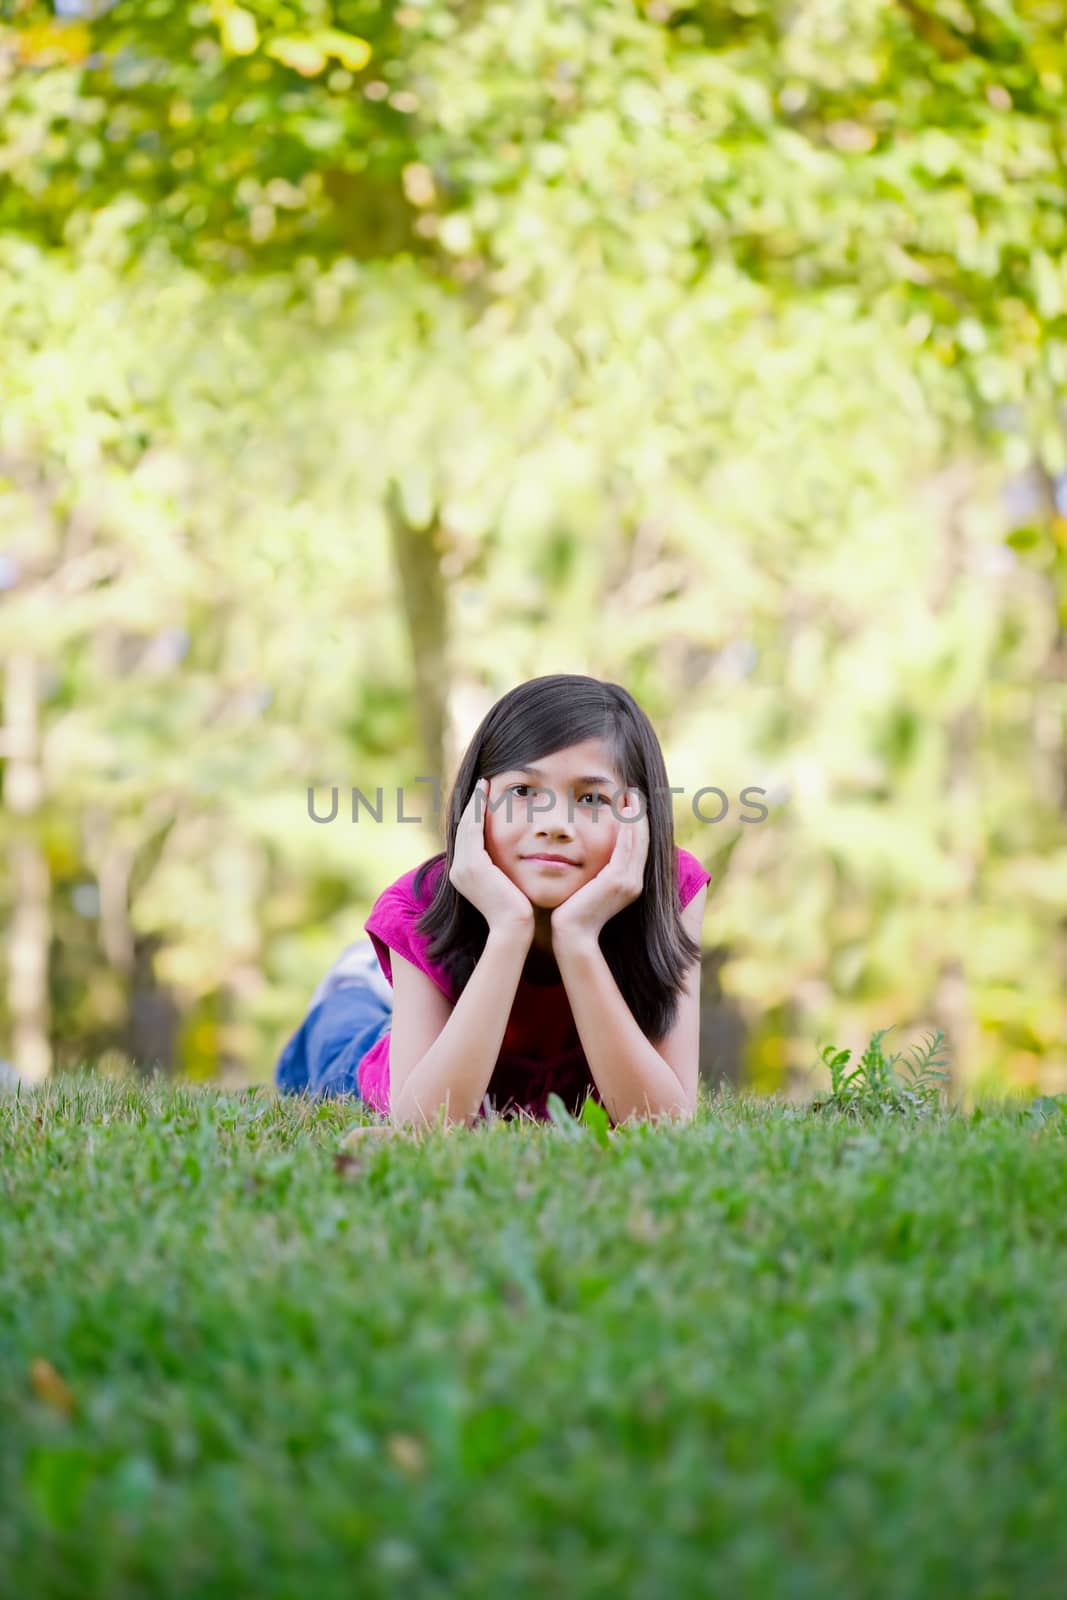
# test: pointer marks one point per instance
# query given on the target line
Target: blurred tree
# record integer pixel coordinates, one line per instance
(690, 345)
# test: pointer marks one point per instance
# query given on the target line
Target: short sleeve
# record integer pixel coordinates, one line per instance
(692, 875)
(387, 929)
(391, 926)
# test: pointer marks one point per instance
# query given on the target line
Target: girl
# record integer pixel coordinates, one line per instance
(553, 946)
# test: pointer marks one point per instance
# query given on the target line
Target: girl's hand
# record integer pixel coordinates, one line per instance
(620, 881)
(478, 878)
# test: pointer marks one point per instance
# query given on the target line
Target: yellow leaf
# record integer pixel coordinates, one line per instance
(308, 53)
(50, 1387)
(46, 43)
(350, 51)
(238, 28)
(300, 53)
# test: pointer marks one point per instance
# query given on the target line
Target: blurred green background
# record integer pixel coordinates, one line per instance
(360, 360)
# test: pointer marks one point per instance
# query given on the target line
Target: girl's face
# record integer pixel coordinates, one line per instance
(560, 806)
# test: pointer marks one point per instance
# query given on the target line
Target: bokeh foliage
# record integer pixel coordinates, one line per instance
(718, 350)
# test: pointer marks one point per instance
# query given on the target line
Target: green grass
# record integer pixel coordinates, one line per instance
(767, 1353)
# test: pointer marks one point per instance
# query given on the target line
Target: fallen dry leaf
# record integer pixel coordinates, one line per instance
(407, 1453)
(346, 1165)
(50, 1387)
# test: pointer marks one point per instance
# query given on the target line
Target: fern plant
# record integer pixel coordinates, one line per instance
(875, 1086)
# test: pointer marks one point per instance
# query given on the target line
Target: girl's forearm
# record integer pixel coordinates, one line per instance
(631, 1075)
(456, 1070)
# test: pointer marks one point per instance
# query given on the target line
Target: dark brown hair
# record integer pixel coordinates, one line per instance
(645, 945)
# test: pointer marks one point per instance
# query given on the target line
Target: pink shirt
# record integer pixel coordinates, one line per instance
(541, 1052)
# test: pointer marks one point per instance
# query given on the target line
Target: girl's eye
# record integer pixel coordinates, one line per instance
(601, 799)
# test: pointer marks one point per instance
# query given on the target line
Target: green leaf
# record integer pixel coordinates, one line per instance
(56, 1481)
(562, 1118)
(1047, 1107)
(594, 1116)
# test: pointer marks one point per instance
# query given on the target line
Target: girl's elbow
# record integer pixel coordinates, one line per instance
(673, 1113)
(418, 1121)
(400, 1115)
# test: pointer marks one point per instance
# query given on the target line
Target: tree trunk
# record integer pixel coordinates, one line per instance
(952, 1003)
(154, 1018)
(30, 934)
(417, 553)
(723, 1030)
(1051, 752)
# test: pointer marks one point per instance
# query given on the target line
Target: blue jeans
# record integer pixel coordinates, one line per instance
(349, 1011)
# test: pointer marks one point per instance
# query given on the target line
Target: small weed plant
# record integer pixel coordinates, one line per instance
(876, 1087)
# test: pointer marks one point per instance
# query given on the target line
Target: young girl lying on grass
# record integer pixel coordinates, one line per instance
(507, 976)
